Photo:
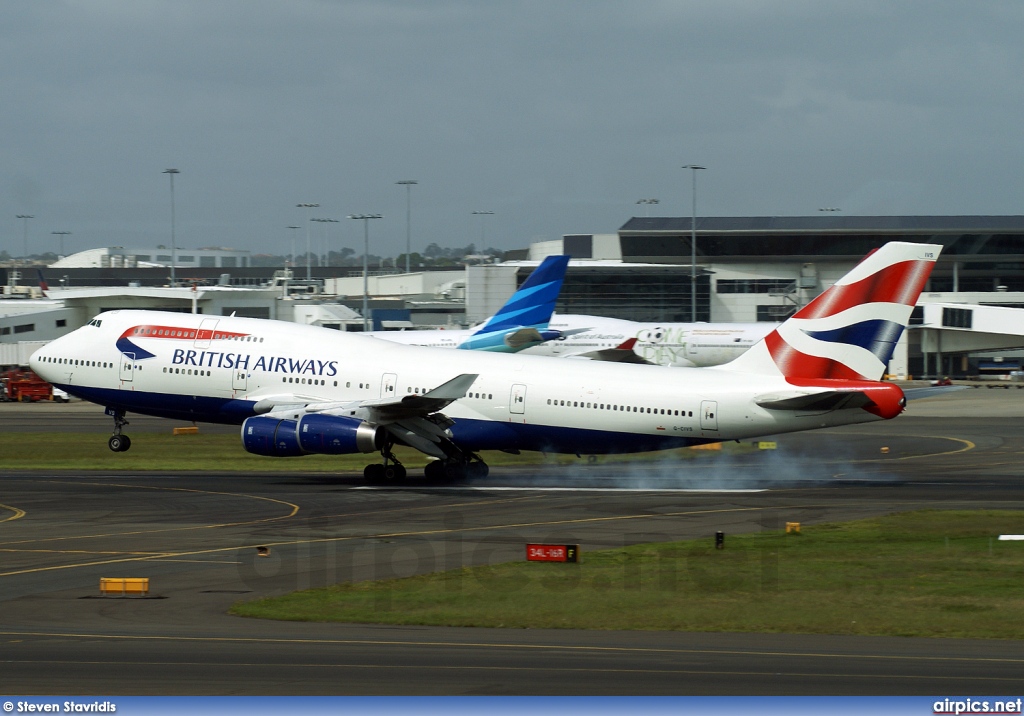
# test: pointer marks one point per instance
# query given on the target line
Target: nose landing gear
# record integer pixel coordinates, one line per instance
(117, 441)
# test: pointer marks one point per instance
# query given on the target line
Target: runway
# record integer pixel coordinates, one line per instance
(195, 537)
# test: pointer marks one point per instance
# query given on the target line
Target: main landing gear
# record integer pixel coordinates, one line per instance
(391, 470)
(443, 471)
(457, 467)
(117, 441)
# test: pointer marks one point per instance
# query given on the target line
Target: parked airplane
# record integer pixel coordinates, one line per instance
(301, 389)
(522, 322)
(526, 324)
(614, 339)
(673, 344)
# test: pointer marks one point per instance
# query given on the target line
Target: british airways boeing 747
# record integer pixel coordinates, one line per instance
(298, 390)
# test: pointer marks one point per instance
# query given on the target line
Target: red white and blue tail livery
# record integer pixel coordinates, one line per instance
(849, 332)
(299, 390)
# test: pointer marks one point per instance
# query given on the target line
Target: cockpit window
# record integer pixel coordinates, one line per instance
(96, 322)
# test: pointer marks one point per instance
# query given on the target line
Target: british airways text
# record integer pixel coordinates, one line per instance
(269, 364)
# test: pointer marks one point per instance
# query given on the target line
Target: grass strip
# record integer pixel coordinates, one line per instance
(924, 574)
(224, 453)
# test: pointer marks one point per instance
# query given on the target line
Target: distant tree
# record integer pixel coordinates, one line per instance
(265, 260)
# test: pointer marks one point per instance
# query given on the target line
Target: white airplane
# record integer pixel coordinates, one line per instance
(526, 324)
(299, 390)
(672, 344)
(614, 339)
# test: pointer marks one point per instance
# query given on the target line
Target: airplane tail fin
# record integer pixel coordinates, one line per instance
(849, 332)
(42, 282)
(534, 302)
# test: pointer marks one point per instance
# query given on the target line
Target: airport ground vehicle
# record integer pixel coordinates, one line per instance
(23, 386)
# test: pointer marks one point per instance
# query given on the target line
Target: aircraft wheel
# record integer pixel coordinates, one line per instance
(393, 473)
(455, 471)
(119, 443)
(434, 471)
(477, 470)
(374, 474)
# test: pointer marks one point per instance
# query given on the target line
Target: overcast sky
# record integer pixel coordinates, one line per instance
(555, 115)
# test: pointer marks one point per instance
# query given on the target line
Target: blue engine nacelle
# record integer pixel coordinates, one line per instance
(271, 437)
(311, 434)
(333, 435)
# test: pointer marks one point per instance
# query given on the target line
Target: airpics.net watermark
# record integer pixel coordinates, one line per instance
(967, 707)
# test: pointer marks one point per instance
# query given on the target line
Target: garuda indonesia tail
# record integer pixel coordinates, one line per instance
(523, 320)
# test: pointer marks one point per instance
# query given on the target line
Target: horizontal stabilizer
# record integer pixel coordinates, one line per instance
(817, 402)
(522, 337)
(931, 391)
(622, 353)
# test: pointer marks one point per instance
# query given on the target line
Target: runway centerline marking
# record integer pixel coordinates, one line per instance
(519, 646)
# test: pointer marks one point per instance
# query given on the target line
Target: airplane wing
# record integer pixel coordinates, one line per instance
(415, 420)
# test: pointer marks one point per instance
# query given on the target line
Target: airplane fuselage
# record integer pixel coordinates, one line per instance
(219, 369)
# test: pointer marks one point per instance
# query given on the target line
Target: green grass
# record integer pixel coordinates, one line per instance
(224, 453)
(928, 573)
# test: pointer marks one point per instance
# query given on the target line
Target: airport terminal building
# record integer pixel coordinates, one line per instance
(764, 268)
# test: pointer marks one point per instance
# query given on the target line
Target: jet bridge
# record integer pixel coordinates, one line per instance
(963, 328)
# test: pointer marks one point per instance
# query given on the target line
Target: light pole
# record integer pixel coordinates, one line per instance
(408, 184)
(307, 207)
(366, 266)
(24, 234)
(693, 245)
(61, 234)
(648, 202)
(482, 215)
(174, 245)
(291, 257)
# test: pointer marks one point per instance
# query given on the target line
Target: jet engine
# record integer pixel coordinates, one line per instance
(310, 434)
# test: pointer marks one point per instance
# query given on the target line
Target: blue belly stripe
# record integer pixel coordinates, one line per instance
(472, 435)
